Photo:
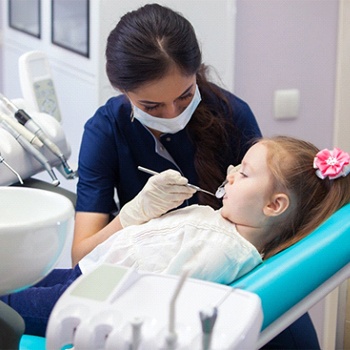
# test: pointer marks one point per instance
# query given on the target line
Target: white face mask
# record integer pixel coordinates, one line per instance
(169, 125)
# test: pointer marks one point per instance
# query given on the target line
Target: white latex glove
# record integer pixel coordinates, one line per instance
(161, 193)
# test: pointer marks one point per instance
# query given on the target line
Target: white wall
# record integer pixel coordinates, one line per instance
(283, 44)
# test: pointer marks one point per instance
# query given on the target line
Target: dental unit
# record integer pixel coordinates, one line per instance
(24, 118)
(34, 227)
(152, 172)
(32, 150)
(136, 310)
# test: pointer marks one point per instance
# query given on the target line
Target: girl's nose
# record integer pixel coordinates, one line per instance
(231, 177)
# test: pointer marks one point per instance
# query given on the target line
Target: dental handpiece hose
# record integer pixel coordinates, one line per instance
(32, 150)
(24, 118)
(33, 139)
(171, 338)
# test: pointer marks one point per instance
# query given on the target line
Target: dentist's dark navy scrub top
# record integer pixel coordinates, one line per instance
(113, 146)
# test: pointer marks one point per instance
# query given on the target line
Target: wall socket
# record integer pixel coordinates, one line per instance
(286, 104)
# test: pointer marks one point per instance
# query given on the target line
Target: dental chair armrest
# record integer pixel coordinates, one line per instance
(287, 278)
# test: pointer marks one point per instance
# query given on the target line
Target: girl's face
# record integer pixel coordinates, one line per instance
(166, 97)
(249, 190)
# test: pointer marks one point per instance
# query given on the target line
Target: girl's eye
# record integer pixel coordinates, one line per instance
(243, 174)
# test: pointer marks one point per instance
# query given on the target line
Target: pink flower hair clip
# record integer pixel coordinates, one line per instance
(332, 164)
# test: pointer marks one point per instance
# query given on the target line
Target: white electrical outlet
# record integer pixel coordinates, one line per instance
(286, 104)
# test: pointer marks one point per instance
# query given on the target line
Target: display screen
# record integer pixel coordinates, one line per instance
(99, 284)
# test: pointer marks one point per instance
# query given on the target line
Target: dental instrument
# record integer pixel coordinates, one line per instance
(2, 160)
(152, 172)
(33, 139)
(136, 325)
(171, 338)
(220, 192)
(32, 150)
(29, 123)
(208, 319)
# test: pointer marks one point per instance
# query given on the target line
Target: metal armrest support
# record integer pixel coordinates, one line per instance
(11, 327)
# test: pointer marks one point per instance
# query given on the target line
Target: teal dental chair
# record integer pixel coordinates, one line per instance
(291, 282)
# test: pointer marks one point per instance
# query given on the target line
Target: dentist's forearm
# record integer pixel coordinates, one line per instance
(90, 230)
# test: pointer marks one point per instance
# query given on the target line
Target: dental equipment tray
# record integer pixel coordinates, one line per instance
(114, 307)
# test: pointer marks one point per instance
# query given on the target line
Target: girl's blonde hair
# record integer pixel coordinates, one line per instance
(291, 163)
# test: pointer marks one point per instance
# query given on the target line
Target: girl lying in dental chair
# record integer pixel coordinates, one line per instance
(284, 189)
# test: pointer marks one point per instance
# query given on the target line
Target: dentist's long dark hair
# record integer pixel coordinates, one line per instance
(143, 47)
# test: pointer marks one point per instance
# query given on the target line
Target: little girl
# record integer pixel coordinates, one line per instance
(283, 190)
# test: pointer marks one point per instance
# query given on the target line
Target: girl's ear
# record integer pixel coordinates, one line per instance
(277, 205)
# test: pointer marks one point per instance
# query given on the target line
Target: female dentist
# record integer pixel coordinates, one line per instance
(168, 117)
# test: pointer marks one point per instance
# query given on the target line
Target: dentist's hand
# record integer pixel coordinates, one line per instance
(161, 193)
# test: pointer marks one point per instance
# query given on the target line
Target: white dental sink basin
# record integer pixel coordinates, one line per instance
(33, 229)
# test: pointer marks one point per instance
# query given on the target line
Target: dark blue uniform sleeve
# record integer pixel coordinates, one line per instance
(98, 161)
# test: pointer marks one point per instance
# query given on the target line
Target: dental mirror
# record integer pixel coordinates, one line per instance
(220, 192)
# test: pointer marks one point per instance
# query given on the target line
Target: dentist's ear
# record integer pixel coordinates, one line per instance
(277, 205)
